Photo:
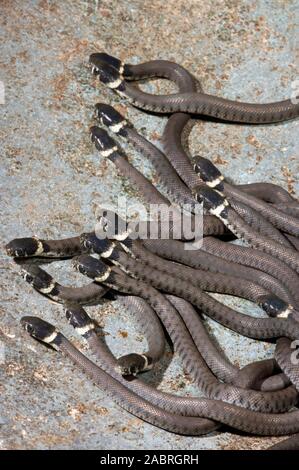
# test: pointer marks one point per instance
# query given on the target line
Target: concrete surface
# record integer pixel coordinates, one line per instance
(52, 179)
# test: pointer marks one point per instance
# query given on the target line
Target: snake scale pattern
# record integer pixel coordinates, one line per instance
(166, 286)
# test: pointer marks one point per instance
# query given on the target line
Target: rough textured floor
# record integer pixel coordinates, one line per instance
(52, 179)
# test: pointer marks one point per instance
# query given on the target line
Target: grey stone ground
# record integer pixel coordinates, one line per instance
(52, 179)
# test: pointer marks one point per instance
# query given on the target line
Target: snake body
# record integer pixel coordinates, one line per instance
(164, 283)
(260, 423)
(182, 341)
(196, 102)
(177, 190)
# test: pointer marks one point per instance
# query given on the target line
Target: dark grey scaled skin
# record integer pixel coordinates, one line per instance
(211, 257)
(214, 201)
(147, 189)
(32, 246)
(246, 233)
(245, 420)
(103, 142)
(258, 222)
(211, 282)
(251, 376)
(257, 328)
(90, 294)
(229, 283)
(198, 103)
(183, 343)
(282, 221)
(44, 283)
(172, 143)
(269, 192)
(266, 264)
(201, 339)
(132, 364)
(179, 159)
(175, 152)
(289, 208)
(293, 240)
(83, 324)
(251, 257)
(177, 191)
(112, 388)
(107, 362)
(171, 139)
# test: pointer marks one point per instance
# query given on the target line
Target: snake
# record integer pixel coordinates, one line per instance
(137, 270)
(44, 283)
(210, 174)
(85, 327)
(257, 375)
(195, 102)
(34, 246)
(172, 133)
(283, 356)
(87, 294)
(183, 195)
(182, 342)
(133, 363)
(41, 281)
(90, 294)
(218, 205)
(258, 328)
(259, 423)
(282, 220)
(212, 282)
(108, 149)
(210, 259)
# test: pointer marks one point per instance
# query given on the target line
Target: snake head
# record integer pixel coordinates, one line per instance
(101, 246)
(78, 318)
(208, 172)
(111, 118)
(212, 200)
(275, 307)
(98, 59)
(103, 142)
(92, 268)
(111, 224)
(39, 279)
(41, 330)
(23, 247)
(133, 364)
(110, 77)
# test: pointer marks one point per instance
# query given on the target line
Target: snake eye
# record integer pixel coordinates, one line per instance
(68, 315)
(28, 278)
(29, 328)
